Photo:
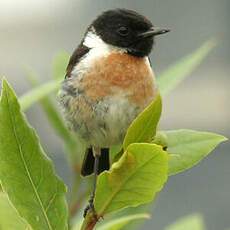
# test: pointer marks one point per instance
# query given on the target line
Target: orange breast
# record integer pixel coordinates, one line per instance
(122, 73)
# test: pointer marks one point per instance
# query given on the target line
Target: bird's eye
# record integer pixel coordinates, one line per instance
(123, 31)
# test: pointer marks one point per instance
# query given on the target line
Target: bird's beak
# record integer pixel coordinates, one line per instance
(153, 32)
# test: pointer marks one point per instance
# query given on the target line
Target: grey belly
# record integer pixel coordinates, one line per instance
(102, 123)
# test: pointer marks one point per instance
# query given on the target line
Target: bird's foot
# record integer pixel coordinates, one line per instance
(90, 208)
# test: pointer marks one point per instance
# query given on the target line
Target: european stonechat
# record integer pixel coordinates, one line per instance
(108, 82)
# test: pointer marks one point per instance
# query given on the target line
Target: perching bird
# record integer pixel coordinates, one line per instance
(108, 82)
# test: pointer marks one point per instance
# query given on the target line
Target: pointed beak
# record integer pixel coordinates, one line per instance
(153, 32)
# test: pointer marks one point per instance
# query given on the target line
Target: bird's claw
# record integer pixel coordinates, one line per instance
(90, 208)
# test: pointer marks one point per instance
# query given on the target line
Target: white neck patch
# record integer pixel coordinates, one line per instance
(92, 40)
(98, 49)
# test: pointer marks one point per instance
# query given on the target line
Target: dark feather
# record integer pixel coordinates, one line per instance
(88, 162)
(75, 58)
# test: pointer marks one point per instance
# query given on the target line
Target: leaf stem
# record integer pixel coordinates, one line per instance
(89, 222)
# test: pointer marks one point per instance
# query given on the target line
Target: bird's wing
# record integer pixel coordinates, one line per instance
(75, 58)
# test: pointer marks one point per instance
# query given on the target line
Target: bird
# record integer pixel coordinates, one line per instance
(109, 81)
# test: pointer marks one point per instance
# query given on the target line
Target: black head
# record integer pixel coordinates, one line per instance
(127, 29)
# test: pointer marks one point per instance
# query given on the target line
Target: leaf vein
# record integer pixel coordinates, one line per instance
(103, 209)
(28, 173)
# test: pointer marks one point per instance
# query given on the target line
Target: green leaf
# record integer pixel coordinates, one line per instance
(169, 79)
(121, 222)
(9, 218)
(192, 222)
(187, 147)
(135, 179)
(160, 139)
(59, 65)
(143, 128)
(115, 152)
(77, 224)
(26, 173)
(38, 93)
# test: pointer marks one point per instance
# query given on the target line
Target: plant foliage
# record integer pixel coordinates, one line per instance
(26, 173)
(33, 196)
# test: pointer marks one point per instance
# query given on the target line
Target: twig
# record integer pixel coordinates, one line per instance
(89, 222)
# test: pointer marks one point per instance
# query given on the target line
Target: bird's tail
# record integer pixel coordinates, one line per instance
(88, 162)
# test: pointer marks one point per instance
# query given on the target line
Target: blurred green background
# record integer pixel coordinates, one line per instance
(33, 32)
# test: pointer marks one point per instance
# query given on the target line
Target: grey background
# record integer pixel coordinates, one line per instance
(32, 32)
